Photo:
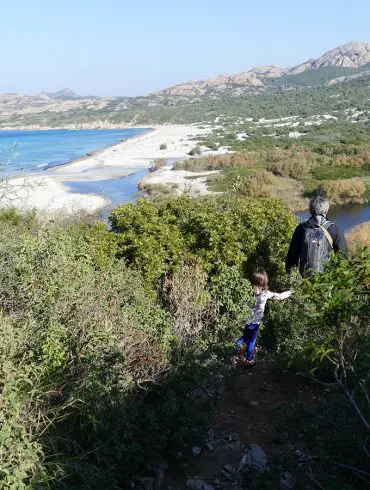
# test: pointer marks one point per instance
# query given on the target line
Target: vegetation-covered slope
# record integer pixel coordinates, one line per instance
(107, 336)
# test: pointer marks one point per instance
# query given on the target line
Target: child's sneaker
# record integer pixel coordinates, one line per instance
(249, 364)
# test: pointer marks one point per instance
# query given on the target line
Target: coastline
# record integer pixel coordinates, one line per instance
(46, 191)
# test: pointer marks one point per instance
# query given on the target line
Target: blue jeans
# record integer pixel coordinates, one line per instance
(249, 338)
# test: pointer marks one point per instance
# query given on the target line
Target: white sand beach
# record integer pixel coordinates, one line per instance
(135, 153)
(46, 191)
(46, 194)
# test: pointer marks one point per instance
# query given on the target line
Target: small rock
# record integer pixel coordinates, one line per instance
(253, 403)
(234, 447)
(196, 450)
(194, 484)
(210, 446)
(287, 481)
(231, 412)
(254, 457)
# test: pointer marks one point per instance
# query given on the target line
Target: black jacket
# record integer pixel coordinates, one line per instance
(296, 244)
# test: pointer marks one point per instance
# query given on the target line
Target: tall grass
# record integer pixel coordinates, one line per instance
(359, 237)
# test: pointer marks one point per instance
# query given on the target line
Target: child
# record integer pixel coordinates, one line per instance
(262, 294)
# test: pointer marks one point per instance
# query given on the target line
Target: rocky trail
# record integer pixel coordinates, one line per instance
(243, 436)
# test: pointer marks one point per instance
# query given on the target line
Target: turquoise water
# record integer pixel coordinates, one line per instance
(32, 151)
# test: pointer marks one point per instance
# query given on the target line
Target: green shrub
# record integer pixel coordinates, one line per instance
(156, 190)
(89, 359)
(332, 307)
(195, 151)
(157, 237)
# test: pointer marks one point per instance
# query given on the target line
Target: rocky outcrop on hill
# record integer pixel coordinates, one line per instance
(220, 83)
(350, 55)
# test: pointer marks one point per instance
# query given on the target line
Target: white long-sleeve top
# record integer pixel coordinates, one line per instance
(258, 310)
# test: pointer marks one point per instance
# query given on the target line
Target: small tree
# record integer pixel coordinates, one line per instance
(195, 151)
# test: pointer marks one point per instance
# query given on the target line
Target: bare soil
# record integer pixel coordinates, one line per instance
(245, 414)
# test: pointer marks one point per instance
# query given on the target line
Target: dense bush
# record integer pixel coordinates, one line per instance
(159, 236)
(324, 334)
(81, 340)
(106, 336)
(332, 322)
(98, 362)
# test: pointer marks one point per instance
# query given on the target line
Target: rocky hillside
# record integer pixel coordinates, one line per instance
(348, 63)
(351, 56)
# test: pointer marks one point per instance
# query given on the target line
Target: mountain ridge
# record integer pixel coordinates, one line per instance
(64, 108)
(349, 55)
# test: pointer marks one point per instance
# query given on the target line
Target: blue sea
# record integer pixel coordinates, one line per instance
(33, 151)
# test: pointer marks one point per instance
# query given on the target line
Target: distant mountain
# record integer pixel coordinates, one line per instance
(191, 101)
(65, 94)
(350, 56)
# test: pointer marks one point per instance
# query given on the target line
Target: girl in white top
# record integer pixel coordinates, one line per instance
(262, 294)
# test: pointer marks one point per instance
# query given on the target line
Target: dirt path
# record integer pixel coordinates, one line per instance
(245, 415)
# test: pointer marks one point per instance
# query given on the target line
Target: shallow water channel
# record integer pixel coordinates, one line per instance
(125, 189)
(346, 217)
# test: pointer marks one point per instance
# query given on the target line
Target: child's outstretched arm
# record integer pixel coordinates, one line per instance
(279, 296)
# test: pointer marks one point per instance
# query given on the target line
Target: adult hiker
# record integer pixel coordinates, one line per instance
(314, 240)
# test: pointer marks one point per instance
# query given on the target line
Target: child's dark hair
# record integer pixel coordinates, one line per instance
(260, 279)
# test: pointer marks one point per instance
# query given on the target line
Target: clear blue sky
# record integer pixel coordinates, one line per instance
(119, 47)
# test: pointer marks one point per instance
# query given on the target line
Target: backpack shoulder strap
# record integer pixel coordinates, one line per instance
(324, 228)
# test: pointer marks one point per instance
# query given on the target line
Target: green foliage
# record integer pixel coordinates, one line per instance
(333, 173)
(158, 236)
(330, 305)
(107, 335)
(195, 151)
(331, 440)
(89, 359)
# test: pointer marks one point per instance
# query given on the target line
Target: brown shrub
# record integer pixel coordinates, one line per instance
(359, 237)
(217, 162)
(191, 305)
(157, 164)
(295, 162)
(344, 191)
